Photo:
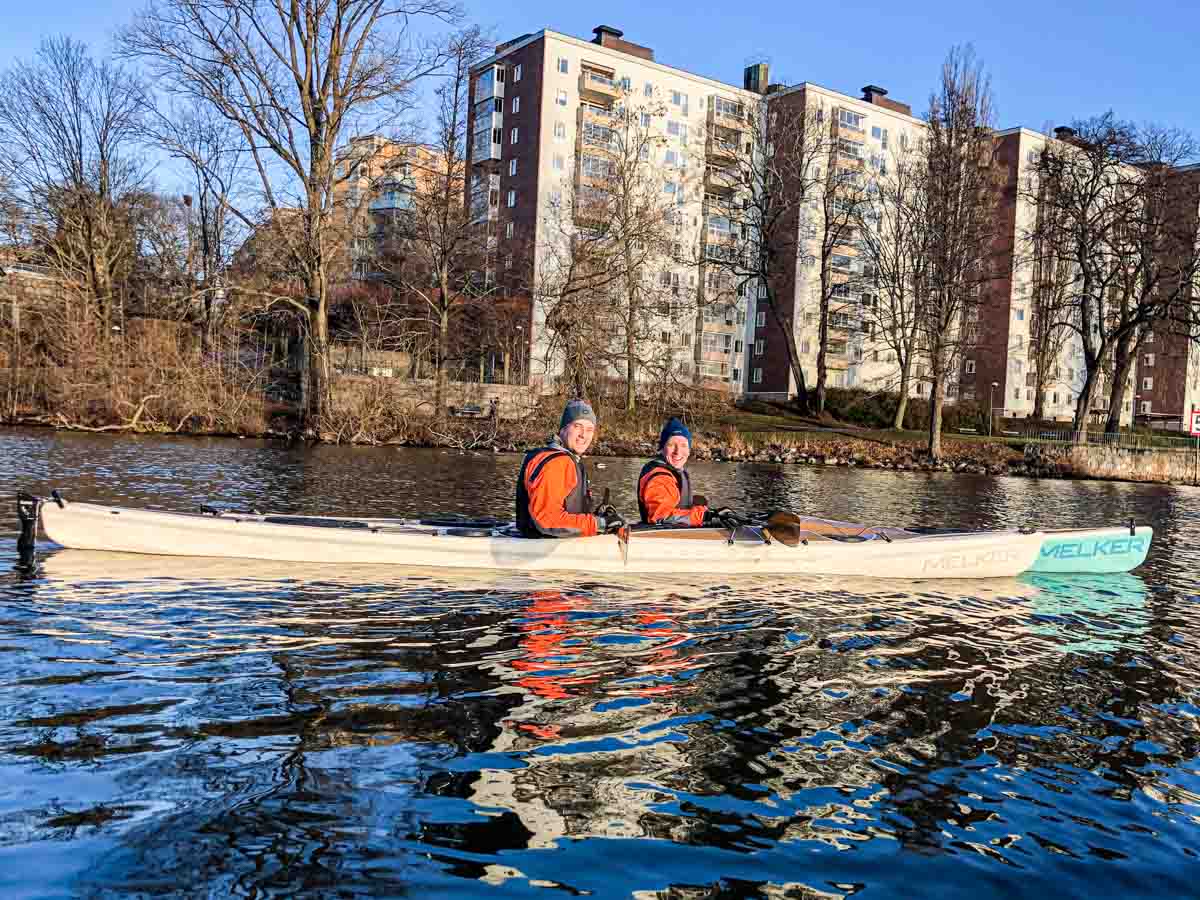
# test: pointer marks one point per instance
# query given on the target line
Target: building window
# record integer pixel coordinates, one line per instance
(757, 376)
(497, 135)
(850, 119)
(517, 72)
(559, 162)
(737, 346)
(1147, 384)
(970, 367)
(513, 136)
(1149, 337)
(561, 98)
(1055, 399)
(516, 104)
(508, 261)
(564, 66)
(512, 199)
(760, 320)
(508, 230)
(1016, 393)
(1150, 360)
(512, 167)
(500, 74)
(1020, 315)
(648, 90)
(560, 131)
(1146, 407)
(759, 346)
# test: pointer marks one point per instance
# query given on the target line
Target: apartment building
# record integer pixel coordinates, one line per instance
(540, 116)
(1167, 383)
(866, 135)
(373, 190)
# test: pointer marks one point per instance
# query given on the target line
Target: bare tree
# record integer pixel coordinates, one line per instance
(895, 235)
(610, 286)
(767, 186)
(211, 151)
(961, 191)
(69, 151)
(1109, 213)
(842, 199)
(294, 80)
(441, 249)
(1050, 305)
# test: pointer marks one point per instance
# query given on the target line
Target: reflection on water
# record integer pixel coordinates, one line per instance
(184, 728)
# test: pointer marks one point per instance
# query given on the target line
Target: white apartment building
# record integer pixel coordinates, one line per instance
(539, 123)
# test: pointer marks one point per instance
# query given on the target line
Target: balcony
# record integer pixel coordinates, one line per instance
(726, 252)
(592, 205)
(845, 323)
(597, 86)
(595, 136)
(483, 148)
(724, 150)
(726, 113)
(721, 180)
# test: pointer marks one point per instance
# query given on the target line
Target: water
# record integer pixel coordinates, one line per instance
(183, 729)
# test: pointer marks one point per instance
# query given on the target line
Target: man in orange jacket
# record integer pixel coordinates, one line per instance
(664, 488)
(553, 500)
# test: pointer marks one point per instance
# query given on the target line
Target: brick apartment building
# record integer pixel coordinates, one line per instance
(539, 108)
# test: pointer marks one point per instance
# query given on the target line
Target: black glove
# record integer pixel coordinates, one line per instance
(608, 520)
(722, 515)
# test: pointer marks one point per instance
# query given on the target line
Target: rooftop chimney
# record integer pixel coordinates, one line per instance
(754, 78)
(1064, 133)
(614, 38)
(604, 31)
(877, 96)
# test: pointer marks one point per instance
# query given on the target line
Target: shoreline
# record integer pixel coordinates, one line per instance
(835, 448)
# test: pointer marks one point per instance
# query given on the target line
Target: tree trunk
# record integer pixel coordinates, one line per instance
(783, 323)
(1039, 396)
(822, 349)
(630, 370)
(1083, 406)
(1124, 356)
(439, 378)
(631, 318)
(902, 403)
(936, 400)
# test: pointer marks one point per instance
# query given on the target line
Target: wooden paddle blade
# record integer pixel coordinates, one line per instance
(782, 517)
(788, 535)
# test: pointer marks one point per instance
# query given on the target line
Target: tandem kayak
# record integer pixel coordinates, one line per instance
(816, 546)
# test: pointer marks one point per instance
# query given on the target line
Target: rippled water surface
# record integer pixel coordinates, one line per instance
(175, 728)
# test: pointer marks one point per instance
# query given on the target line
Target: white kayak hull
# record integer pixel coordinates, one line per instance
(85, 526)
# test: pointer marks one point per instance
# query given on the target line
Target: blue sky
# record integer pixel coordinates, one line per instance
(1051, 61)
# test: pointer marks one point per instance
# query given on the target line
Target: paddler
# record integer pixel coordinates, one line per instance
(552, 488)
(664, 488)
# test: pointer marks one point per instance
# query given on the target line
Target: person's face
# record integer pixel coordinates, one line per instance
(676, 451)
(577, 436)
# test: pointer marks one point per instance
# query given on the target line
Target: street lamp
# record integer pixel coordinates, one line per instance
(992, 406)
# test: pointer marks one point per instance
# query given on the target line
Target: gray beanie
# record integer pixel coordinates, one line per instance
(574, 411)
